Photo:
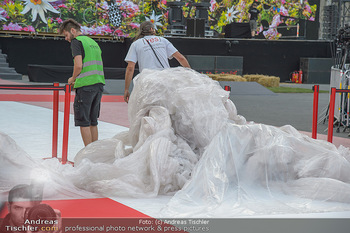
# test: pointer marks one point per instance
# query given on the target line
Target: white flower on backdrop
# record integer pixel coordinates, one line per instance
(154, 19)
(231, 13)
(2, 13)
(38, 7)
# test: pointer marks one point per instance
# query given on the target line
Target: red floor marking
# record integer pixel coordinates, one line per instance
(49, 98)
(111, 112)
(90, 208)
(337, 141)
(103, 212)
(112, 98)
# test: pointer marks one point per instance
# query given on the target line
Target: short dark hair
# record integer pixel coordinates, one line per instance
(20, 191)
(68, 24)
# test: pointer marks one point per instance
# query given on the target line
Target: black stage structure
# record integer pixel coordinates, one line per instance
(268, 57)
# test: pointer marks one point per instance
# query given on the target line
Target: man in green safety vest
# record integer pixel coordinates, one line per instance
(88, 79)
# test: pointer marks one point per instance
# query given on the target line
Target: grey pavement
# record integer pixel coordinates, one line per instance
(282, 109)
(323, 87)
(294, 109)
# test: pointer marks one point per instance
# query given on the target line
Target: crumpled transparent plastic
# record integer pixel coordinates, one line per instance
(169, 130)
(186, 138)
(17, 167)
(257, 169)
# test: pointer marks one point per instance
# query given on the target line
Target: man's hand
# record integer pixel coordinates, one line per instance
(126, 96)
(71, 81)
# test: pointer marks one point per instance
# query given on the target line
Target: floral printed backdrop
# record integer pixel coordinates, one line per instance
(123, 17)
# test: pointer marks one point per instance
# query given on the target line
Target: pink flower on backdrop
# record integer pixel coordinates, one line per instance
(129, 7)
(3, 13)
(284, 11)
(59, 20)
(106, 29)
(134, 25)
(12, 27)
(119, 33)
(271, 33)
(275, 21)
(212, 5)
(88, 31)
(283, 1)
(103, 5)
(92, 31)
(308, 8)
(99, 30)
(163, 2)
(62, 6)
(241, 6)
(29, 29)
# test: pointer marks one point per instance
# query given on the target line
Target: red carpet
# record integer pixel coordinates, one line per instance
(90, 208)
(49, 98)
(41, 96)
(104, 215)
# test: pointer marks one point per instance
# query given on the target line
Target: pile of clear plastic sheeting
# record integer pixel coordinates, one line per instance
(187, 140)
(17, 167)
(256, 169)
(173, 117)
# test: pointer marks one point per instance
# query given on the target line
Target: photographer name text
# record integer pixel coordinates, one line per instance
(147, 225)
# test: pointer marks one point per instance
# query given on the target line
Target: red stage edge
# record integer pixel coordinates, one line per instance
(55, 121)
(316, 89)
(331, 115)
(66, 123)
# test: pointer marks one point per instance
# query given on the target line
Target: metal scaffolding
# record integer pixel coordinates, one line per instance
(335, 16)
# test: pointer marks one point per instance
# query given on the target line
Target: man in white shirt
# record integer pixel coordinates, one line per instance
(151, 52)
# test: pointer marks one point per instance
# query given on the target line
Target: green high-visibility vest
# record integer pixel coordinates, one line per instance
(92, 71)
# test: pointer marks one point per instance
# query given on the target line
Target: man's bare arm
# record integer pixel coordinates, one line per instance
(129, 73)
(78, 66)
(181, 59)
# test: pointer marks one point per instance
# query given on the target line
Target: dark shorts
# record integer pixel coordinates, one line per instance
(87, 104)
(253, 25)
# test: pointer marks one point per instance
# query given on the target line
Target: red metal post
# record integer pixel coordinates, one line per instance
(331, 115)
(315, 111)
(55, 121)
(67, 90)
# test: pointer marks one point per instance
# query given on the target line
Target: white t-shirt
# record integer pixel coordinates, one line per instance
(141, 52)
